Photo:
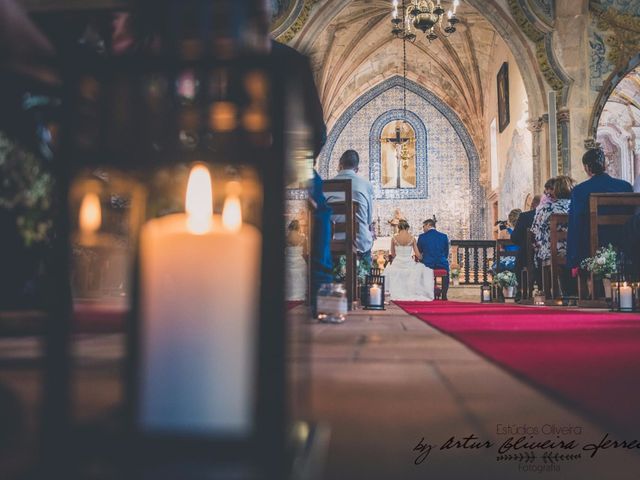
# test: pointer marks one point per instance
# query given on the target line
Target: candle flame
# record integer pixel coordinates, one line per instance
(90, 213)
(199, 201)
(232, 213)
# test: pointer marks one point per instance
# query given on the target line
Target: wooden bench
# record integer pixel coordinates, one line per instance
(552, 273)
(597, 220)
(339, 196)
(528, 273)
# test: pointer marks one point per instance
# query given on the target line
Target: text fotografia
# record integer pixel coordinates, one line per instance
(530, 443)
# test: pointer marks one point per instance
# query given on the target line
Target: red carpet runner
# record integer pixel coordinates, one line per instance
(590, 360)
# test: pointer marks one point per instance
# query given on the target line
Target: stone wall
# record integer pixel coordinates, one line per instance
(514, 149)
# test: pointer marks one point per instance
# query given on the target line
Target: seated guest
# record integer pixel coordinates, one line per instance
(504, 233)
(548, 192)
(594, 163)
(560, 201)
(506, 228)
(519, 234)
(362, 192)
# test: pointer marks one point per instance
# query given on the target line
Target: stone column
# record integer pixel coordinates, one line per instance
(535, 127)
(636, 150)
(564, 139)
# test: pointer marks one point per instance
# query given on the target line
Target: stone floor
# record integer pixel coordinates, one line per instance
(380, 384)
(384, 381)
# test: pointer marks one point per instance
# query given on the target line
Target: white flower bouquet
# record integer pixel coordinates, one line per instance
(506, 279)
(603, 263)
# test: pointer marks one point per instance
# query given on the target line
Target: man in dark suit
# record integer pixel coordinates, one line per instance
(594, 163)
(519, 237)
(434, 247)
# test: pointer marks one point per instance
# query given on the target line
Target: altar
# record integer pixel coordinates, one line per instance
(381, 243)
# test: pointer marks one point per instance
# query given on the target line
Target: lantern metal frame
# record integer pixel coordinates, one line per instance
(269, 436)
(369, 281)
(486, 287)
(625, 278)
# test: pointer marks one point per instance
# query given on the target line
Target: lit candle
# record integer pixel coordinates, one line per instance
(89, 218)
(198, 306)
(375, 295)
(626, 297)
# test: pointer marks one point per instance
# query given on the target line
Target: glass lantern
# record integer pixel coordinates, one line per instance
(176, 160)
(373, 292)
(485, 293)
(106, 210)
(624, 286)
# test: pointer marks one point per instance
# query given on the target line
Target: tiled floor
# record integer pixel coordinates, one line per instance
(384, 380)
(380, 382)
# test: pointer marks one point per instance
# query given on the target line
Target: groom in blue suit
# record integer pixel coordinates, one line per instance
(434, 247)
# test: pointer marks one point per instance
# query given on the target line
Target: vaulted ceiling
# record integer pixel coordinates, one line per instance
(352, 49)
(627, 92)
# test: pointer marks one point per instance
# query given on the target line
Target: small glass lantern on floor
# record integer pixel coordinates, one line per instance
(485, 293)
(625, 293)
(374, 292)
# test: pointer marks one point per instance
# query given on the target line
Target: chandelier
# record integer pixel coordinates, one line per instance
(424, 15)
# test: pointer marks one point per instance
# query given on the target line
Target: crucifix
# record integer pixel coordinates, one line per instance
(398, 141)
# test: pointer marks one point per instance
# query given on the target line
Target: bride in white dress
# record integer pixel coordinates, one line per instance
(405, 278)
(295, 264)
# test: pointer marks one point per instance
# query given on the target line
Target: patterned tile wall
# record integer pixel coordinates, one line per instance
(453, 192)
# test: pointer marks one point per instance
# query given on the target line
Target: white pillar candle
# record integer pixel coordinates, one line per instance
(375, 295)
(626, 297)
(486, 295)
(198, 309)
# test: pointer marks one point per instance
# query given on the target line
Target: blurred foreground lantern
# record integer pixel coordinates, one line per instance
(176, 164)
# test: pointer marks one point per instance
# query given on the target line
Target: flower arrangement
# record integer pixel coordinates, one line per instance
(454, 271)
(506, 279)
(603, 263)
(26, 188)
(363, 269)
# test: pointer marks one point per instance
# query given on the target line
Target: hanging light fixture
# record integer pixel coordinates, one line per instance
(424, 15)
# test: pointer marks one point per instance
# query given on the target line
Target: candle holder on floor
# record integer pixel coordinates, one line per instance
(486, 293)
(625, 288)
(373, 291)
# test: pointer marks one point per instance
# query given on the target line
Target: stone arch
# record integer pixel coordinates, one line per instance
(477, 192)
(607, 89)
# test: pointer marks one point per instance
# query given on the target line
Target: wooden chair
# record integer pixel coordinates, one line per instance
(339, 196)
(619, 207)
(528, 273)
(558, 261)
(501, 252)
